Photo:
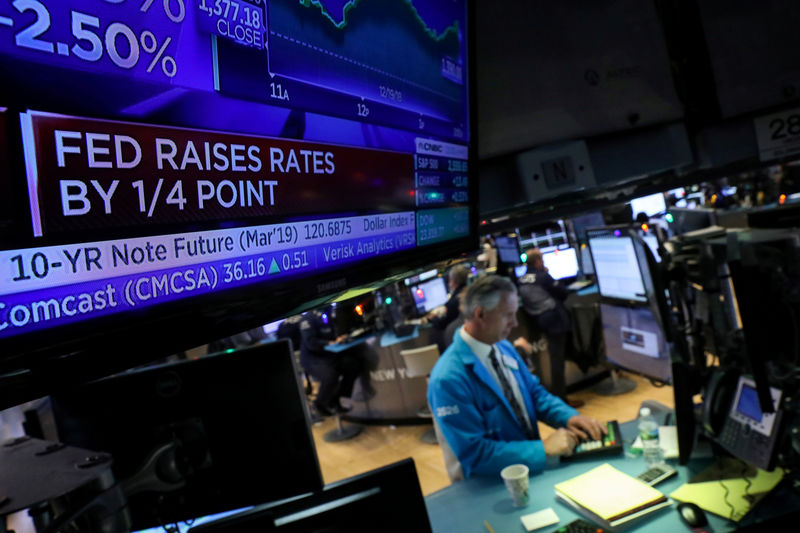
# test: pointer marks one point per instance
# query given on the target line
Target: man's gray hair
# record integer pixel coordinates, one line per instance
(485, 292)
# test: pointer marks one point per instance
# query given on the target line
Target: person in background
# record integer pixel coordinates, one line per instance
(336, 372)
(543, 300)
(485, 401)
(456, 282)
(488, 255)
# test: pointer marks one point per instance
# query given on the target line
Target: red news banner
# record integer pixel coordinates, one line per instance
(86, 174)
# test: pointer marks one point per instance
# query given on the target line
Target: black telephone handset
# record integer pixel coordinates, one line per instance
(717, 400)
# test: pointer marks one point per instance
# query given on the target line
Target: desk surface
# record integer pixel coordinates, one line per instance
(464, 506)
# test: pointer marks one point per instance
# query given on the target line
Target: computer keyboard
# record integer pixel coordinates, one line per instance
(578, 285)
(610, 444)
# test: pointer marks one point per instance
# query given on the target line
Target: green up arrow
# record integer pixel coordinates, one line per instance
(273, 267)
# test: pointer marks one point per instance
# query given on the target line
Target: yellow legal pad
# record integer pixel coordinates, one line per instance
(609, 493)
(729, 489)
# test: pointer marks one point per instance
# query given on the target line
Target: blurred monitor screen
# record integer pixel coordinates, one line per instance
(544, 235)
(688, 219)
(588, 220)
(561, 263)
(616, 266)
(587, 267)
(650, 205)
(507, 249)
(652, 242)
(634, 341)
(430, 294)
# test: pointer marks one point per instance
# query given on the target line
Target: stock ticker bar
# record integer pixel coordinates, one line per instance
(56, 285)
(86, 174)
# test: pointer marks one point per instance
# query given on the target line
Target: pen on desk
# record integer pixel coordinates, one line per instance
(486, 523)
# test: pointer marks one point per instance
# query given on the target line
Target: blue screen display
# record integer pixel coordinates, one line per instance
(172, 149)
(748, 404)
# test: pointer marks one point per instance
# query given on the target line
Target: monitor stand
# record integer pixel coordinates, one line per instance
(341, 432)
(614, 385)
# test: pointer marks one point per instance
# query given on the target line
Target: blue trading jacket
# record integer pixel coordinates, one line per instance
(477, 421)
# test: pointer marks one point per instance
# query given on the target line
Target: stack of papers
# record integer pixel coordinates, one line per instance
(610, 497)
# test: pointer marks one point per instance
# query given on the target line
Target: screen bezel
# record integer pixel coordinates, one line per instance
(624, 233)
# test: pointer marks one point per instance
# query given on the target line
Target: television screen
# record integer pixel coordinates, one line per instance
(191, 438)
(215, 166)
(561, 263)
(507, 249)
(616, 266)
(651, 205)
(430, 294)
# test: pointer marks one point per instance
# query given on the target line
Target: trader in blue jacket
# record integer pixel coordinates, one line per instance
(485, 401)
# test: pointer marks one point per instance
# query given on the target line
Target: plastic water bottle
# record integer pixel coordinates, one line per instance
(648, 431)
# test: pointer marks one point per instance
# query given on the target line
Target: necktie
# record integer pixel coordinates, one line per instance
(530, 434)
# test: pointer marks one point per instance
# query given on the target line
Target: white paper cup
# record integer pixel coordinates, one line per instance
(517, 482)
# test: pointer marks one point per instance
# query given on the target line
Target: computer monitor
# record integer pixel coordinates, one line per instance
(561, 263)
(583, 222)
(388, 499)
(686, 219)
(651, 205)
(652, 242)
(429, 295)
(619, 275)
(227, 431)
(507, 249)
(634, 341)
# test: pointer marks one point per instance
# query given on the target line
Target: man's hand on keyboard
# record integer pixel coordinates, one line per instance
(586, 427)
(562, 442)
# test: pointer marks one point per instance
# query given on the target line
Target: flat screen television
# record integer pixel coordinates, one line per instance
(198, 437)
(616, 265)
(190, 170)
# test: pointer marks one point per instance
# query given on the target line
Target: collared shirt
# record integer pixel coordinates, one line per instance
(483, 351)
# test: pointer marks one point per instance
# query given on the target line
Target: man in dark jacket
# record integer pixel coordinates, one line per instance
(456, 282)
(336, 372)
(543, 299)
